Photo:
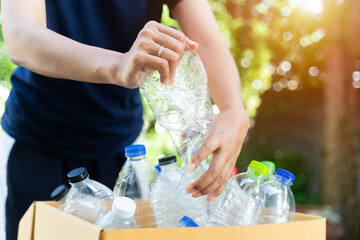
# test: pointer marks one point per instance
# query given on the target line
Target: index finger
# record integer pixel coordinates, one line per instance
(172, 32)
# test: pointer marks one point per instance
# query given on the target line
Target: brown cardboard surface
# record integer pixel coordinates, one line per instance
(50, 223)
(143, 208)
(26, 224)
(305, 227)
(53, 224)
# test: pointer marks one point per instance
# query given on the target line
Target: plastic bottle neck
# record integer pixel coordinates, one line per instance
(118, 217)
(169, 167)
(137, 158)
(284, 181)
(81, 183)
(255, 174)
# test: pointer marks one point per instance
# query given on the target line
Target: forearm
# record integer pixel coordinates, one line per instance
(223, 76)
(198, 22)
(50, 54)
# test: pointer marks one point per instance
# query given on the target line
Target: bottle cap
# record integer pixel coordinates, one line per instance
(167, 160)
(158, 168)
(135, 150)
(124, 207)
(188, 222)
(270, 165)
(59, 192)
(234, 171)
(259, 167)
(77, 175)
(285, 174)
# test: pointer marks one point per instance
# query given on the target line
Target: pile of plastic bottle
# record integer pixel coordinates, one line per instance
(146, 196)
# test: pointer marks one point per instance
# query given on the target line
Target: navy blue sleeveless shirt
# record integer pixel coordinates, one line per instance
(78, 119)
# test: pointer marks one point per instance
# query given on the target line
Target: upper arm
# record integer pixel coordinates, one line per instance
(197, 21)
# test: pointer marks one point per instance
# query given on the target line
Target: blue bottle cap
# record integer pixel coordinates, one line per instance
(135, 150)
(188, 222)
(285, 174)
(158, 168)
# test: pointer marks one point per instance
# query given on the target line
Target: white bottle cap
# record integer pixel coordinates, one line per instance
(124, 207)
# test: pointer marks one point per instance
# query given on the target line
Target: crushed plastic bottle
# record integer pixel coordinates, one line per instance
(167, 211)
(135, 181)
(121, 215)
(187, 222)
(86, 199)
(242, 200)
(59, 195)
(279, 204)
(185, 110)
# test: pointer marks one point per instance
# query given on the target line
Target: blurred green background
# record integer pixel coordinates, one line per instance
(290, 54)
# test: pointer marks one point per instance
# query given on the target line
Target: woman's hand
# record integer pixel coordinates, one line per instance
(145, 55)
(224, 142)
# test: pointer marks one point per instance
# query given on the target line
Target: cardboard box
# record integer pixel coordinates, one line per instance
(43, 221)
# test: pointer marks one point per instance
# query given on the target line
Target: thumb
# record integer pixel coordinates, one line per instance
(192, 44)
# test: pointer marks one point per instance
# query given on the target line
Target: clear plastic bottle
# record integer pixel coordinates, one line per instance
(279, 204)
(185, 110)
(167, 211)
(59, 195)
(187, 222)
(242, 200)
(87, 199)
(134, 181)
(121, 215)
(196, 208)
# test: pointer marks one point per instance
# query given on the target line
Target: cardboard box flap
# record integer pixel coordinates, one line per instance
(51, 223)
(305, 217)
(26, 224)
(306, 227)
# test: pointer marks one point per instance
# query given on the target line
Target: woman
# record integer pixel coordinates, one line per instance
(75, 98)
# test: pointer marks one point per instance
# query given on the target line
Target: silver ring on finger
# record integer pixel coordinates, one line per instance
(160, 51)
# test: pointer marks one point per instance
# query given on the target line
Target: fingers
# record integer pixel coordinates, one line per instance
(222, 186)
(170, 43)
(214, 180)
(214, 171)
(156, 63)
(209, 146)
(171, 39)
(172, 32)
(173, 59)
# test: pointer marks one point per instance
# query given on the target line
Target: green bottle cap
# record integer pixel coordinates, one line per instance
(259, 167)
(270, 165)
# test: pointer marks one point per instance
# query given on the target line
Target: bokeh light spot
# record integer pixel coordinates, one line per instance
(269, 68)
(286, 11)
(285, 66)
(277, 86)
(287, 36)
(356, 84)
(257, 84)
(293, 84)
(313, 71)
(245, 62)
(356, 76)
(319, 56)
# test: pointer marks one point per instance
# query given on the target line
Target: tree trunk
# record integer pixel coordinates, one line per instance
(339, 165)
